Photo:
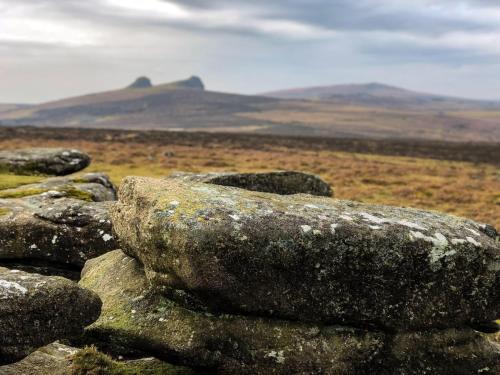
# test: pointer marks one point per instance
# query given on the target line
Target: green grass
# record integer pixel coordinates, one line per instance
(11, 181)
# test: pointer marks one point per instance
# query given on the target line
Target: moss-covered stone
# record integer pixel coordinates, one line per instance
(35, 310)
(90, 361)
(47, 161)
(59, 359)
(91, 187)
(309, 258)
(135, 316)
(279, 182)
(20, 193)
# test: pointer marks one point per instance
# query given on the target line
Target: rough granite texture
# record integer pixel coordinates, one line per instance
(279, 182)
(223, 249)
(63, 232)
(49, 161)
(135, 316)
(35, 310)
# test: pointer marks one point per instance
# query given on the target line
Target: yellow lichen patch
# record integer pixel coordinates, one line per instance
(4, 211)
(72, 192)
(11, 181)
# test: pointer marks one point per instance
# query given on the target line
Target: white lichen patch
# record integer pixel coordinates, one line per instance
(474, 232)
(305, 228)
(473, 241)
(235, 217)
(54, 239)
(458, 241)
(10, 288)
(333, 227)
(346, 217)
(107, 237)
(278, 356)
(382, 220)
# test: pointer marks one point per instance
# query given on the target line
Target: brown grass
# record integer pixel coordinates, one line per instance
(459, 188)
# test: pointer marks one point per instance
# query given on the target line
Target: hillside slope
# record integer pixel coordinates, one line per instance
(376, 94)
(186, 105)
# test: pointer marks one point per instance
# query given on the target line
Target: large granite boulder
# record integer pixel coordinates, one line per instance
(135, 316)
(280, 182)
(307, 258)
(59, 359)
(51, 233)
(91, 187)
(49, 161)
(35, 310)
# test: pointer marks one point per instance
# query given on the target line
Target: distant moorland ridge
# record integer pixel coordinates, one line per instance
(372, 111)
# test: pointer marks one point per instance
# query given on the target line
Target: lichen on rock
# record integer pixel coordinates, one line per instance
(308, 258)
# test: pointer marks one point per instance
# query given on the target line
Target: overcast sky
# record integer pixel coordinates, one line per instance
(56, 48)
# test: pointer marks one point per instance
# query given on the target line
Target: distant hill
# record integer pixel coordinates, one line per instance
(380, 95)
(384, 113)
(10, 107)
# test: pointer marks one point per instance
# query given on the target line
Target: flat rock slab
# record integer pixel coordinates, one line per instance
(91, 187)
(279, 182)
(135, 316)
(49, 161)
(309, 258)
(63, 232)
(36, 310)
(59, 359)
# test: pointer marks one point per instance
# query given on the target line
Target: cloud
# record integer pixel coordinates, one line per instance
(284, 42)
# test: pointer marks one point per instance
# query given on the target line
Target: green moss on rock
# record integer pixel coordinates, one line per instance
(90, 361)
(20, 193)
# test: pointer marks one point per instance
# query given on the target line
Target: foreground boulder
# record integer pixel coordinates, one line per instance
(49, 161)
(135, 316)
(59, 233)
(281, 182)
(307, 258)
(59, 359)
(35, 310)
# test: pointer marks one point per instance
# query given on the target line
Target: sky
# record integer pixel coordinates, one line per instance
(51, 49)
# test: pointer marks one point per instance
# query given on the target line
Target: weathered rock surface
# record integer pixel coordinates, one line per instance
(50, 161)
(59, 359)
(309, 258)
(63, 232)
(280, 182)
(35, 310)
(135, 316)
(91, 187)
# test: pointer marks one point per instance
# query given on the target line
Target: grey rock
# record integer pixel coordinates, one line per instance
(134, 315)
(49, 161)
(308, 258)
(61, 232)
(279, 182)
(35, 310)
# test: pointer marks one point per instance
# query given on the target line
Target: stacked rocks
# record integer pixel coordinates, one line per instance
(237, 281)
(47, 227)
(54, 225)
